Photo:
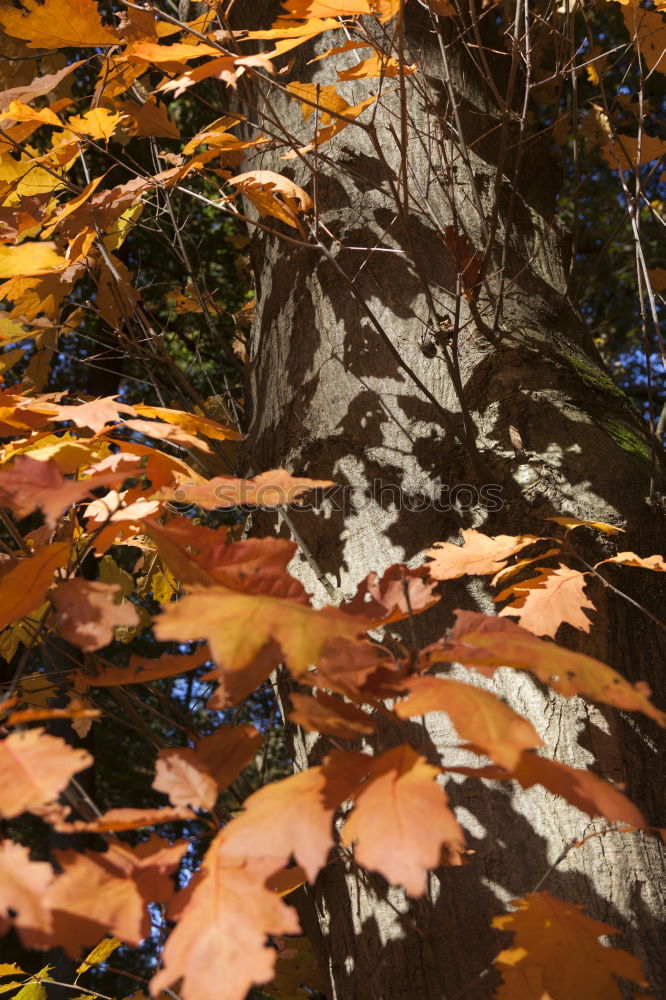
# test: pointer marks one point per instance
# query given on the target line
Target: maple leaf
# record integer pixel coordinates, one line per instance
(486, 642)
(238, 625)
(24, 586)
(34, 769)
(88, 612)
(58, 24)
(549, 600)
(557, 953)
(322, 713)
(99, 893)
(195, 777)
(223, 920)
(299, 810)
(478, 716)
(479, 555)
(401, 822)
(22, 886)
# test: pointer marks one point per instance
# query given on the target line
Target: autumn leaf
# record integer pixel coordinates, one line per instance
(100, 953)
(98, 893)
(275, 488)
(88, 612)
(399, 593)
(94, 414)
(655, 563)
(34, 769)
(23, 884)
(549, 600)
(190, 422)
(479, 555)
(29, 259)
(573, 522)
(557, 953)
(273, 194)
(237, 626)
(195, 777)
(322, 713)
(332, 109)
(24, 586)
(478, 716)
(222, 924)
(486, 642)
(142, 669)
(300, 811)
(58, 23)
(117, 820)
(401, 823)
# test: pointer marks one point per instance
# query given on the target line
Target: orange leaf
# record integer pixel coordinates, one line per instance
(478, 716)
(58, 24)
(88, 612)
(545, 602)
(306, 9)
(479, 555)
(190, 422)
(237, 626)
(656, 563)
(196, 777)
(28, 259)
(399, 593)
(273, 194)
(34, 769)
(299, 812)
(141, 669)
(22, 886)
(99, 894)
(401, 821)
(573, 522)
(332, 110)
(485, 643)
(270, 489)
(223, 921)
(557, 953)
(322, 713)
(118, 819)
(24, 586)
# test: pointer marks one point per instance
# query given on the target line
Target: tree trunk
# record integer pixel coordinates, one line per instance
(373, 363)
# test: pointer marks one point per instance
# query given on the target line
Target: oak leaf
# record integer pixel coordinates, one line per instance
(94, 414)
(485, 643)
(479, 716)
(102, 893)
(24, 586)
(223, 921)
(190, 422)
(557, 953)
(399, 593)
(88, 612)
(22, 886)
(195, 777)
(299, 813)
(401, 823)
(549, 600)
(275, 488)
(238, 625)
(322, 713)
(58, 24)
(655, 563)
(479, 555)
(34, 769)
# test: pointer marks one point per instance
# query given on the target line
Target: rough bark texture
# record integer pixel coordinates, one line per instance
(330, 399)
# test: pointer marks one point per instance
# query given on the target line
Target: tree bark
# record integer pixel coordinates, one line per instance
(373, 365)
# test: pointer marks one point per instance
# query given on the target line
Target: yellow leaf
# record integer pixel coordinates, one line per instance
(57, 24)
(100, 123)
(100, 953)
(30, 259)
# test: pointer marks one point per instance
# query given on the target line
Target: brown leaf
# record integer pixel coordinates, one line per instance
(58, 24)
(322, 713)
(556, 952)
(34, 769)
(88, 612)
(95, 414)
(223, 921)
(478, 716)
(119, 819)
(142, 670)
(275, 488)
(399, 593)
(656, 563)
(401, 821)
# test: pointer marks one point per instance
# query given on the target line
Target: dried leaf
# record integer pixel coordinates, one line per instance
(549, 600)
(34, 769)
(479, 554)
(88, 612)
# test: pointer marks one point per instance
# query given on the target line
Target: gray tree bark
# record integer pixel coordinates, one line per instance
(370, 366)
